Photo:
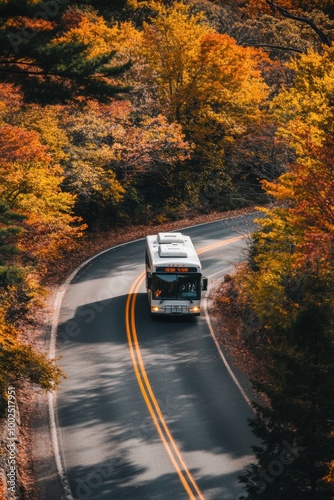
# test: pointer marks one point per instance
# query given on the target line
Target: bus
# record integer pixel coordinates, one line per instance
(174, 279)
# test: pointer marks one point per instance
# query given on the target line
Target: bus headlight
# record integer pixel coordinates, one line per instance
(195, 309)
(157, 309)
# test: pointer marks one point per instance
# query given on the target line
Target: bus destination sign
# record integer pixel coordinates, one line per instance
(176, 269)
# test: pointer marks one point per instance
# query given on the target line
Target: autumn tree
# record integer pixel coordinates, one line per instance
(20, 154)
(30, 184)
(19, 360)
(281, 37)
(33, 216)
(301, 18)
(48, 123)
(150, 159)
(289, 285)
(255, 8)
(89, 166)
(202, 80)
(39, 53)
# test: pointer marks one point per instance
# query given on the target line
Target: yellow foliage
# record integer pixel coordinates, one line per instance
(100, 37)
(30, 184)
(281, 191)
(171, 45)
(200, 76)
(45, 121)
(154, 5)
(308, 103)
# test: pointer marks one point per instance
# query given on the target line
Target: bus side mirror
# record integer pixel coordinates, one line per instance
(149, 282)
(204, 283)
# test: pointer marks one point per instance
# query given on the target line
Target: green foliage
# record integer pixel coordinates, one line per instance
(296, 435)
(308, 102)
(292, 297)
(48, 67)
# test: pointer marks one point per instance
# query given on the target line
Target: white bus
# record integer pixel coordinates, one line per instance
(174, 279)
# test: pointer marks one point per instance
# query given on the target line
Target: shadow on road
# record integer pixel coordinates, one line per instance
(104, 423)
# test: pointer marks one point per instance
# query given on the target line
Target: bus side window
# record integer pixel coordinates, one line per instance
(149, 281)
(146, 258)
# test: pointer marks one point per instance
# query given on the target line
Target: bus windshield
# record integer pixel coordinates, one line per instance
(176, 286)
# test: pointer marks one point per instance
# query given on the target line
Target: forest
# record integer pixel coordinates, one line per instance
(136, 112)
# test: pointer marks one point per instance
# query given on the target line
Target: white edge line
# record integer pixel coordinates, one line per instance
(222, 355)
(52, 351)
(52, 397)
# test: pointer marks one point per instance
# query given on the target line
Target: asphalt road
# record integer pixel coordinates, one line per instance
(148, 410)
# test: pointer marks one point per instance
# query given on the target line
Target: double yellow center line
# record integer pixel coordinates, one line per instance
(174, 454)
(152, 404)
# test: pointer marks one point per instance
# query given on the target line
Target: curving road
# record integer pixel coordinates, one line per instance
(149, 410)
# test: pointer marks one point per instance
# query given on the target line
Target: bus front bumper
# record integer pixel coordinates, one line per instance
(176, 310)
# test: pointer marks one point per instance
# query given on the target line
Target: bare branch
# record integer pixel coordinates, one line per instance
(305, 20)
(278, 47)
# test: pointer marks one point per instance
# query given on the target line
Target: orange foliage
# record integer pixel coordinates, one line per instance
(329, 478)
(10, 99)
(18, 144)
(308, 186)
(36, 23)
(30, 183)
